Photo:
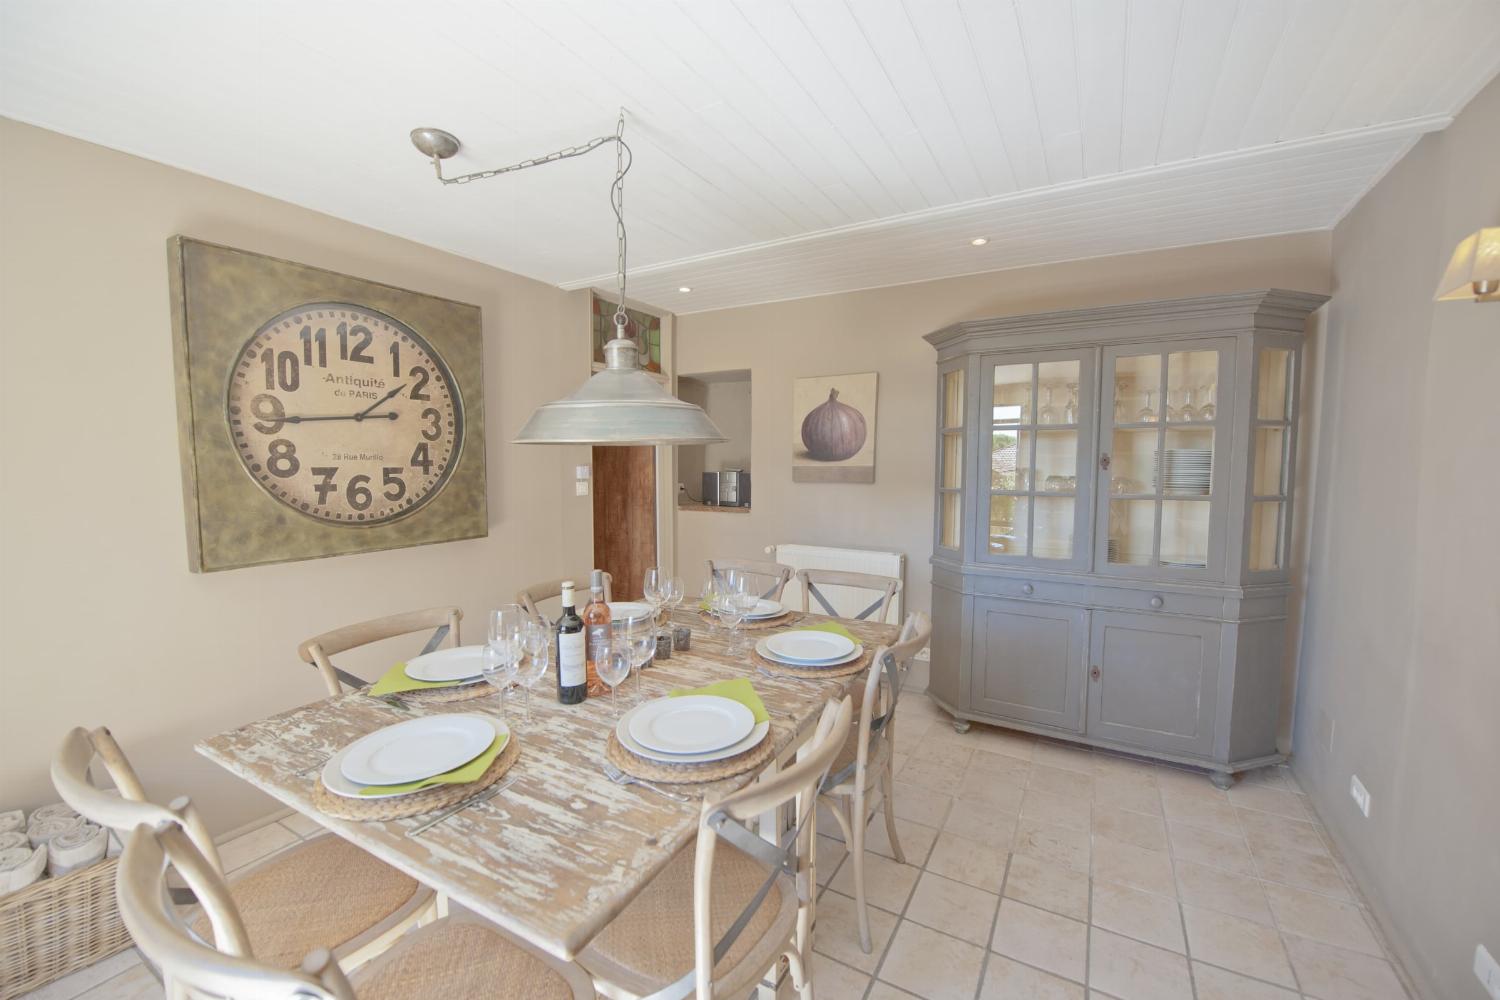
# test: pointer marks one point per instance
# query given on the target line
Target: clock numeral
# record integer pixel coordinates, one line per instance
(308, 340)
(420, 458)
(436, 430)
(270, 415)
(391, 476)
(365, 337)
(324, 485)
(282, 369)
(282, 460)
(358, 494)
(395, 359)
(420, 374)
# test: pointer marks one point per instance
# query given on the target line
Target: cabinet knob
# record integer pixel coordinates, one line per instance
(1027, 589)
(1094, 673)
(1157, 602)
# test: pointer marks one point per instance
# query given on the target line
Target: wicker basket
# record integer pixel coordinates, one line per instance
(58, 925)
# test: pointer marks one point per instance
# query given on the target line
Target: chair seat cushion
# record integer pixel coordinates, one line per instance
(459, 959)
(847, 754)
(651, 941)
(320, 894)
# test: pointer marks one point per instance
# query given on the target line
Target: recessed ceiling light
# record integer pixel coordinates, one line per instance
(684, 288)
(978, 241)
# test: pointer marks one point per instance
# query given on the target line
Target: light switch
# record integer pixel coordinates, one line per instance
(581, 475)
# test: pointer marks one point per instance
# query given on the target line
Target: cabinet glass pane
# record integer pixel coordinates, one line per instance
(1056, 461)
(1192, 380)
(1132, 467)
(1010, 459)
(953, 399)
(1052, 528)
(1187, 467)
(1272, 398)
(1057, 389)
(1012, 399)
(951, 505)
(1184, 533)
(1008, 525)
(1137, 389)
(1270, 461)
(1132, 530)
(953, 460)
(1265, 535)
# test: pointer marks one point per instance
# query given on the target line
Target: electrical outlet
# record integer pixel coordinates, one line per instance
(1487, 970)
(1325, 731)
(1360, 795)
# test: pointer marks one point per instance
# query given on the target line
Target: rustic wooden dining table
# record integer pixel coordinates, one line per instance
(560, 852)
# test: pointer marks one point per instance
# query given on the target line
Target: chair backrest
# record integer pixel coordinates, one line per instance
(531, 597)
(797, 784)
(884, 587)
(124, 812)
(774, 576)
(190, 967)
(320, 648)
(883, 683)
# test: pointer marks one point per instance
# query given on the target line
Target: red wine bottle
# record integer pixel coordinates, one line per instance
(572, 661)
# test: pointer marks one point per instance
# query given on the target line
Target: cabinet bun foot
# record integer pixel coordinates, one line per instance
(1222, 780)
(960, 726)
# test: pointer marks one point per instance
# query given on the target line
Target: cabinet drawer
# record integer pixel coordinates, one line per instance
(1165, 602)
(1031, 590)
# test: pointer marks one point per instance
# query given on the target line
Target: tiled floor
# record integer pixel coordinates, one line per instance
(1040, 871)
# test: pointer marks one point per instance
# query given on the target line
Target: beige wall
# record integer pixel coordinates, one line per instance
(1402, 636)
(100, 619)
(726, 399)
(881, 330)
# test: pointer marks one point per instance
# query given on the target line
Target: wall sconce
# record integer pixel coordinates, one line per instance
(1474, 271)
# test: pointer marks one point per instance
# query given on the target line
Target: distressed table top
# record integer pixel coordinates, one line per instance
(559, 853)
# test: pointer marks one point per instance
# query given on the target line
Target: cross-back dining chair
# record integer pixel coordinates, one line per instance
(323, 891)
(864, 760)
(531, 597)
(455, 958)
(884, 587)
(773, 576)
(718, 916)
(320, 649)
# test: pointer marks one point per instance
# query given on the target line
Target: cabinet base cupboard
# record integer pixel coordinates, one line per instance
(1114, 504)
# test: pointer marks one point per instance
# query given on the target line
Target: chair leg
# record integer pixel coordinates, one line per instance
(858, 817)
(886, 784)
(801, 974)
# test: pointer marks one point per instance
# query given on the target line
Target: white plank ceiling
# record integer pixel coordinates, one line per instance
(782, 149)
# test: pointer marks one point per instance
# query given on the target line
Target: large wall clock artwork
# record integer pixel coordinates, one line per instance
(321, 414)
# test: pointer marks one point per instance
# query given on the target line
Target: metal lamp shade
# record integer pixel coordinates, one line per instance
(1474, 271)
(621, 405)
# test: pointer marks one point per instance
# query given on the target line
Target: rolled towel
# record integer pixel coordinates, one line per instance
(50, 810)
(76, 848)
(12, 821)
(19, 867)
(13, 838)
(40, 831)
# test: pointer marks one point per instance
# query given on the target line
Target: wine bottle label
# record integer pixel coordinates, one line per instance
(572, 668)
(598, 636)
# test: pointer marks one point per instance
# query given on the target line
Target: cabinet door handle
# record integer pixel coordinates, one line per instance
(1104, 462)
(1094, 673)
(1157, 602)
(1027, 589)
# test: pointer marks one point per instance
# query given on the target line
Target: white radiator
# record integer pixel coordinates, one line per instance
(847, 601)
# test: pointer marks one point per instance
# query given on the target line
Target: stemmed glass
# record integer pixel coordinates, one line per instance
(671, 594)
(504, 650)
(536, 639)
(613, 661)
(640, 635)
(1070, 410)
(1208, 410)
(730, 606)
(1147, 414)
(1120, 412)
(1049, 415)
(651, 589)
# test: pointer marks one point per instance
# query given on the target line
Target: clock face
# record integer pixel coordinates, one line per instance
(344, 414)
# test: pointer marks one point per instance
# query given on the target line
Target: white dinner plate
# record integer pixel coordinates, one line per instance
(335, 782)
(765, 608)
(622, 733)
(809, 646)
(854, 654)
(461, 663)
(695, 723)
(628, 609)
(417, 748)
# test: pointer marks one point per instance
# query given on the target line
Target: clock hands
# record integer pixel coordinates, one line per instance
(366, 411)
(341, 416)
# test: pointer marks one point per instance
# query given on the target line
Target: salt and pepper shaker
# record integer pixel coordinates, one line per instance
(663, 647)
(682, 638)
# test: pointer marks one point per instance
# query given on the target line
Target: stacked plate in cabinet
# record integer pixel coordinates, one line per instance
(1187, 470)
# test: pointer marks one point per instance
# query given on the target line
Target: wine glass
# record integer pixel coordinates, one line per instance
(613, 661)
(1049, 415)
(1189, 411)
(671, 594)
(537, 640)
(1070, 409)
(640, 637)
(730, 605)
(1208, 410)
(1147, 414)
(499, 666)
(1121, 416)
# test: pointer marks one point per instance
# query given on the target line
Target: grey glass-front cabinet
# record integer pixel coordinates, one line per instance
(1114, 499)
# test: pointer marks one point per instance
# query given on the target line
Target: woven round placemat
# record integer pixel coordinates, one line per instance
(842, 670)
(448, 695)
(427, 800)
(780, 621)
(686, 774)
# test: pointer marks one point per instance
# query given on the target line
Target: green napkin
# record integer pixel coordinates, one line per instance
(395, 681)
(738, 689)
(461, 775)
(833, 627)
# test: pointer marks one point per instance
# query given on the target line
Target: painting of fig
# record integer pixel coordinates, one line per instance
(833, 431)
